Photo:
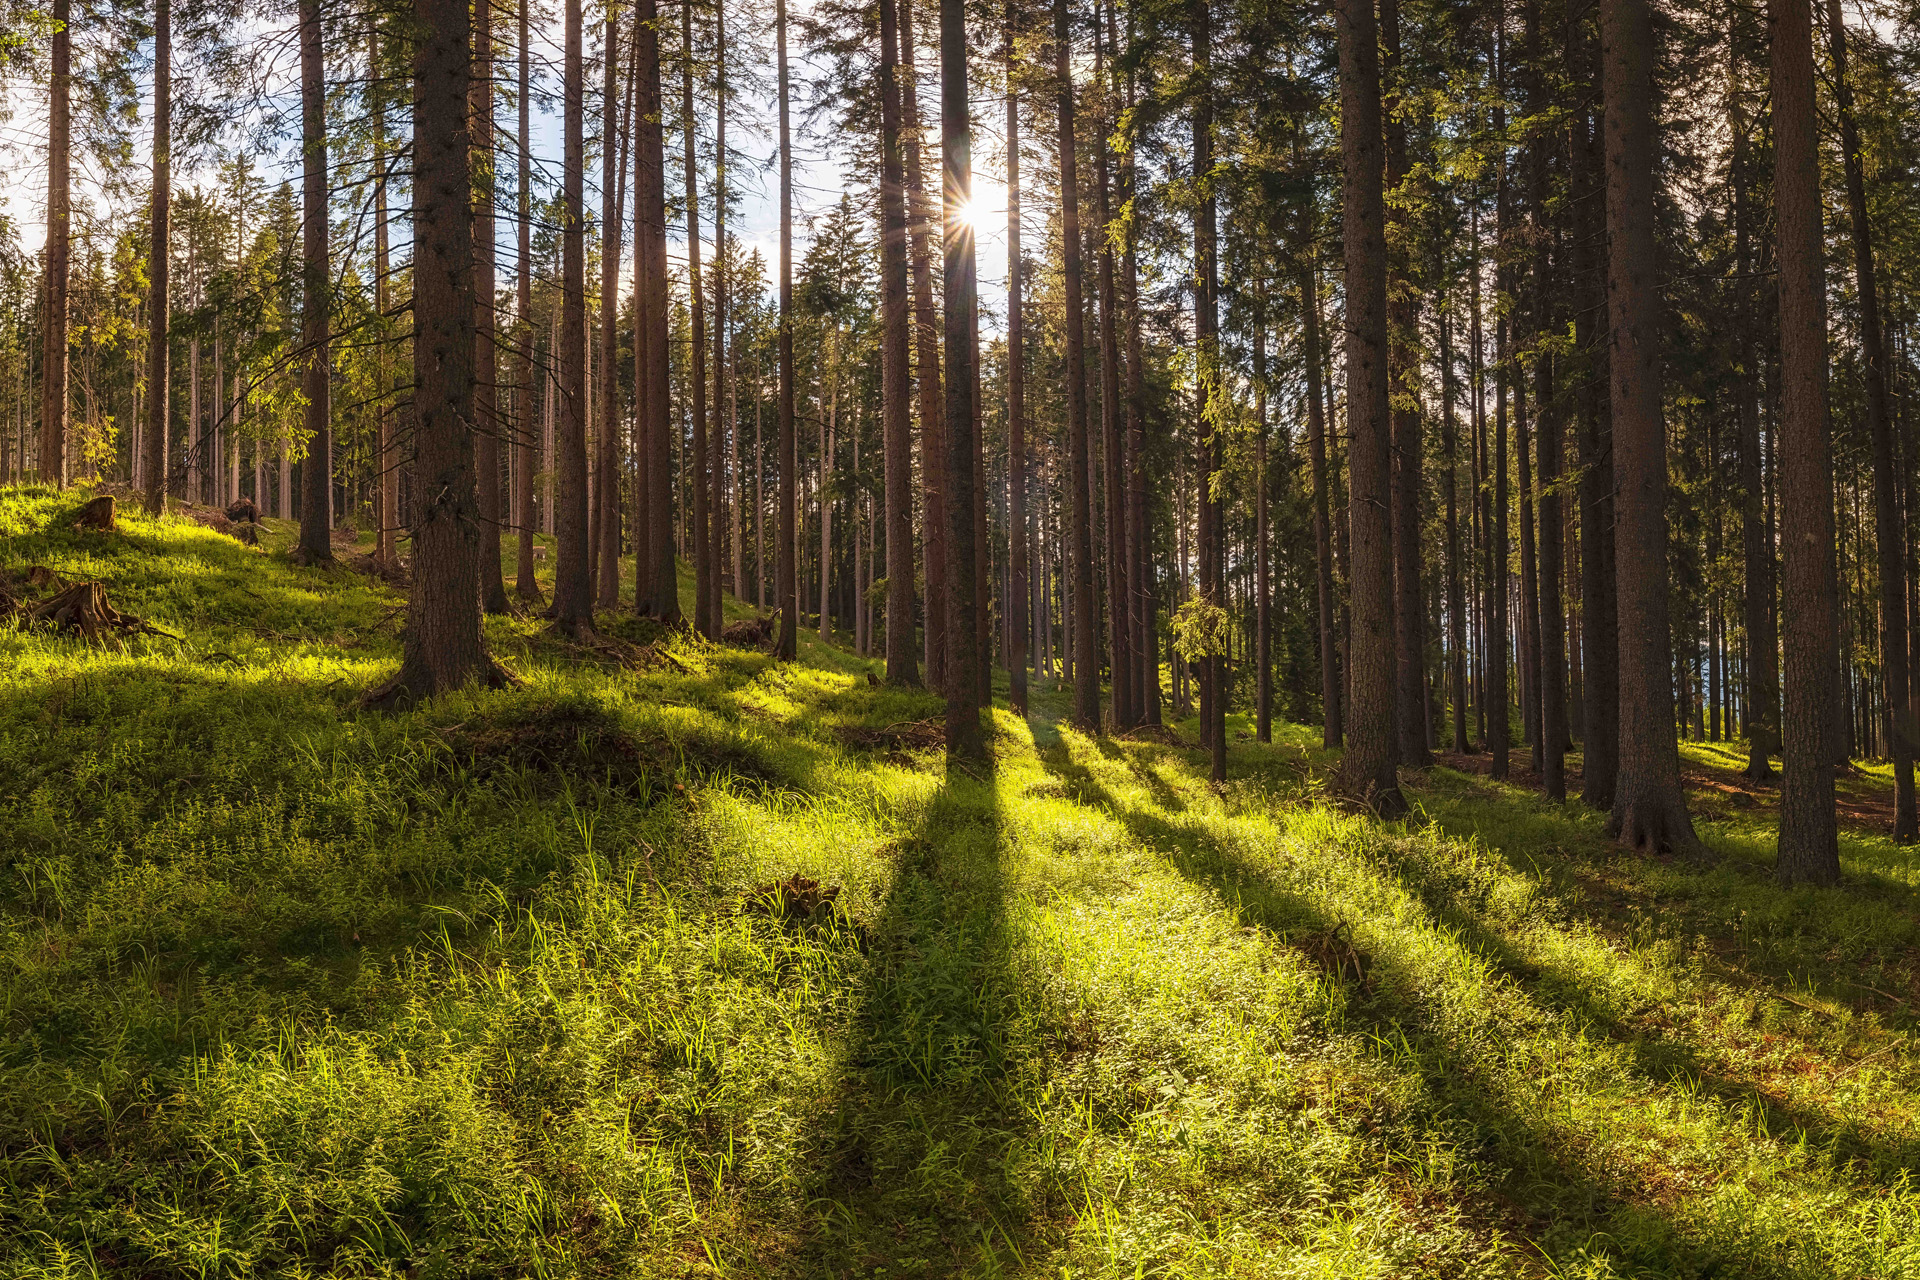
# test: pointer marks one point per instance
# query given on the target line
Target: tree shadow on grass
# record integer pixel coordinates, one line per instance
(1552, 1192)
(1566, 857)
(913, 1158)
(1657, 1056)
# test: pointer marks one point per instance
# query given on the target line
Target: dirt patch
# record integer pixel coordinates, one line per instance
(580, 741)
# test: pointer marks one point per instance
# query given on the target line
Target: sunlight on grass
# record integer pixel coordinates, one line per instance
(494, 988)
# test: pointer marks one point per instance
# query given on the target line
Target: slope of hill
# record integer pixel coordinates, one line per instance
(675, 961)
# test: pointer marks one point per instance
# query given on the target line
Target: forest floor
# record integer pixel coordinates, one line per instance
(524, 983)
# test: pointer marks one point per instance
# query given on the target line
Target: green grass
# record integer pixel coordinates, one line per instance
(479, 990)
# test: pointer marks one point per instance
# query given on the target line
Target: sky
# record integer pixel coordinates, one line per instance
(818, 177)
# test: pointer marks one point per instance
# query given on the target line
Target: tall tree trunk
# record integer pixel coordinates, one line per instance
(1368, 770)
(1888, 533)
(786, 571)
(1212, 548)
(1403, 322)
(1086, 673)
(1809, 839)
(386, 538)
(965, 738)
(613, 194)
(1332, 731)
(895, 377)
(1113, 447)
(443, 647)
(1140, 583)
(1499, 568)
(922, 218)
(1262, 586)
(662, 599)
(1551, 677)
(1598, 616)
(1648, 810)
(526, 583)
(489, 423)
(1456, 585)
(703, 567)
(1019, 586)
(316, 498)
(53, 364)
(722, 428)
(572, 585)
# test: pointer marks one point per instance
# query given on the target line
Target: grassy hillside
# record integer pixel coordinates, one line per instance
(498, 988)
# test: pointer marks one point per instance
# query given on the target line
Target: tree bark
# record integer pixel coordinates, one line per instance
(1262, 583)
(1121, 663)
(1456, 586)
(1809, 849)
(1411, 720)
(1332, 731)
(1649, 812)
(1019, 586)
(526, 583)
(965, 738)
(53, 364)
(895, 377)
(787, 584)
(1598, 615)
(1213, 409)
(443, 647)
(1551, 675)
(662, 598)
(489, 423)
(316, 498)
(1086, 669)
(921, 219)
(572, 585)
(720, 428)
(613, 199)
(1367, 773)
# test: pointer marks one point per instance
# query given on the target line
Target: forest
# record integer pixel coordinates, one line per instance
(930, 638)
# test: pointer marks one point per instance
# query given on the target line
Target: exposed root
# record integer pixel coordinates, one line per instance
(242, 509)
(82, 607)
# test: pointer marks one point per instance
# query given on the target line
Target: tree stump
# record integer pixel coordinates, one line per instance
(98, 514)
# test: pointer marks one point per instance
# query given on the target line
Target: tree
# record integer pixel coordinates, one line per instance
(486, 406)
(53, 366)
(786, 571)
(662, 599)
(1648, 811)
(1809, 850)
(159, 304)
(704, 570)
(965, 740)
(316, 477)
(1086, 670)
(526, 584)
(1368, 772)
(443, 648)
(572, 586)
(896, 439)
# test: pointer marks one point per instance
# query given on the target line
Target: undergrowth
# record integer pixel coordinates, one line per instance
(491, 989)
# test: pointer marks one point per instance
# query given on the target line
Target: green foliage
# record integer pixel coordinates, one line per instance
(1201, 628)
